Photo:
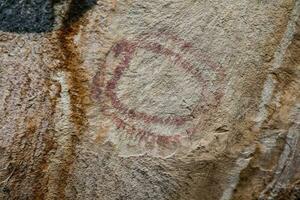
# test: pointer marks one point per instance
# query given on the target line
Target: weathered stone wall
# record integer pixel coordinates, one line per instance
(156, 99)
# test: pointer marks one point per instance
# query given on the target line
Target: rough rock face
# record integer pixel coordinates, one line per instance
(155, 99)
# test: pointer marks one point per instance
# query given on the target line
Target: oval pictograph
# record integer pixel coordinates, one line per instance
(157, 86)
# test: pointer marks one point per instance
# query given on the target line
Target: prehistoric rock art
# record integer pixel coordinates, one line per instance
(169, 126)
(156, 99)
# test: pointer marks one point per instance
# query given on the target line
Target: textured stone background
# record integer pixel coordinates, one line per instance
(156, 99)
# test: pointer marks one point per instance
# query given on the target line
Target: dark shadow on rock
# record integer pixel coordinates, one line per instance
(37, 16)
(76, 10)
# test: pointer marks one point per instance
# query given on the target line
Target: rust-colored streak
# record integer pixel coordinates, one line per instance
(113, 5)
(25, 164)
(27, 158)
(40, 188)
(101, 134)
(17, 168)
(71, 65)
(41, 179)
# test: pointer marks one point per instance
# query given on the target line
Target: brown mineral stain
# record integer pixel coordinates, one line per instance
(24, 162)
(39, 188)
(113, 5)
(259, 166)
(278, 117)
(78, 91)
(101, 134)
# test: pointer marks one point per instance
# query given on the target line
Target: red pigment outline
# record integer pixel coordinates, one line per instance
(131, 129)
(127, 49)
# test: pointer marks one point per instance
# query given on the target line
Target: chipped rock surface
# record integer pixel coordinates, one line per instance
(155, 99)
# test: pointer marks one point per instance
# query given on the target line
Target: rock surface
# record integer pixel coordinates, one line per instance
(156, 99)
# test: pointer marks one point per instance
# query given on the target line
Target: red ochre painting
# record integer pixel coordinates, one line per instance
(162, 105)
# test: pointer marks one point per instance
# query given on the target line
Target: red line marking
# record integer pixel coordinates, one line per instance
(125, 51)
